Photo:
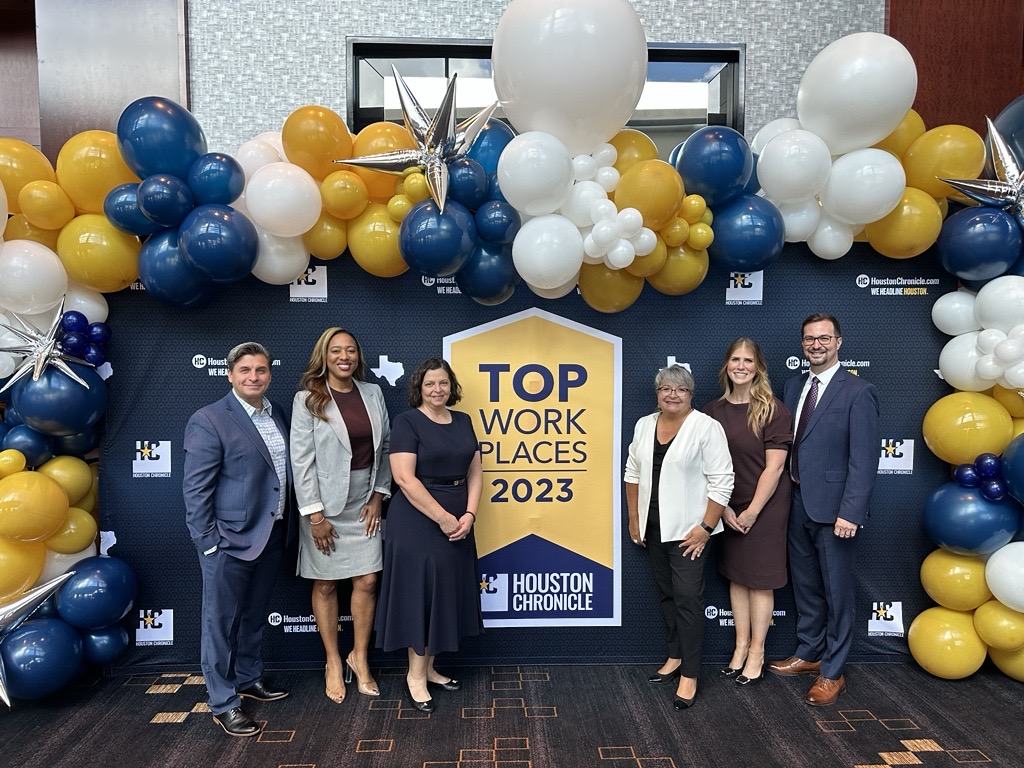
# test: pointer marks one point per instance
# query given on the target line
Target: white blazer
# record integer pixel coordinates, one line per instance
(321, 452)
(697, 467)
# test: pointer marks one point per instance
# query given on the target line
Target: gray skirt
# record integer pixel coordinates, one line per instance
(354, 553)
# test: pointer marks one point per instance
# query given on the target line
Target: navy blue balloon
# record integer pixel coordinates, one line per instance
(73, 321)
(3, 431)
(1010, 124)
(165, 199)
(715, 163)
(37, 447)
(977, 243)
(437, 244)
(216, 178)
(497, 222)
(489, 144)
(749, 234)
(11, 416)
(962, 520)
(494, 189)
(94, 354)
(1017, 268)
(78, 444)
(121, 206)
(988, 465)
(488, 277)
(47, 609)
(74, 343)
(40, 657)
(753, 186)
(467, 182)
(1013, 468)
(156, 135)
(993, 489)
(673, 156)
(100, 593)
(56, 405)
(166, 274)
(220, 242)
(99, 333)
(106, 645)
(967, 476)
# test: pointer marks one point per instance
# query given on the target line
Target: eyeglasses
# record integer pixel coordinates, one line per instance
(823, 340)
(673, 391)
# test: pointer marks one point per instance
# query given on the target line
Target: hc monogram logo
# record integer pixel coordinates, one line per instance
(882, 612)
(486, 585)
(739, 280)
(149, 620)
(145, 450)
(891, 449)
(307, 277)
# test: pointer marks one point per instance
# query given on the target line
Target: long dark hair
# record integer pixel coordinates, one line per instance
(314, 378)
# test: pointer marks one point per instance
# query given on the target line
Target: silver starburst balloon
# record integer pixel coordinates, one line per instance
(1006, 191)
(40, 350)
(439, 140)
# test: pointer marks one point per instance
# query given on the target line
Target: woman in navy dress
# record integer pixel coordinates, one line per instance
(429, 595)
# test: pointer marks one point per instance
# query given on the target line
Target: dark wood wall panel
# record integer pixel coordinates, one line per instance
(19, 74)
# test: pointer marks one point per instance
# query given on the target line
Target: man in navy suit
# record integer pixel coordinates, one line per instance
(833, 465)
(236, 487)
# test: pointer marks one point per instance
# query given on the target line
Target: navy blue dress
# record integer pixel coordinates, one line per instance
(429, 593)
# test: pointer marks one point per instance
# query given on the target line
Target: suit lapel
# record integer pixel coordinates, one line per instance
(333, 414)
(235, 410)
(373, 413)
(831, 392)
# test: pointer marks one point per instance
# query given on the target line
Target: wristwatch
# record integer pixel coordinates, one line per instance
(707, 527)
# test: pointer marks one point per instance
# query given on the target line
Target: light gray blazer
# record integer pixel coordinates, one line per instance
(322, 454)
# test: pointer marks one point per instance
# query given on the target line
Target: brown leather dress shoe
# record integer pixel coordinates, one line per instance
(794, 666)
(825, 691)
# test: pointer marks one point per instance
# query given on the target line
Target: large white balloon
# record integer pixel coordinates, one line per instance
(547, 251)
(770, 130)
(831, 239)
(254, 154)
(32, 277)
(90, 303)
(1000, 303)
(535, 173)
(863, 186)
(958, 361)
(857, 90)
(1004, 574)
(801, 219)
(283, 199)
(558, 291)
(581, 197)
(572, 68)
(953, 313)
(793, 166)
(279, 260)
(273, 138)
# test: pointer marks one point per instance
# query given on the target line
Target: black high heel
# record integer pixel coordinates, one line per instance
(729, 671)
(744, 680)
(423, 706)
(679, 703)
(658, 677)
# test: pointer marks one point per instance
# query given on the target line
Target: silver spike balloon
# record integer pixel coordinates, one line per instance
(40, 350)
(1006, 191)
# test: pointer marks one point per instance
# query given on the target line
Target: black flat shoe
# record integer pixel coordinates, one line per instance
(236, 723)
(423, 706)
(744, 680)
(658, 677)
(729, 671)
(262, 692)
(679, 704)
(451, 685)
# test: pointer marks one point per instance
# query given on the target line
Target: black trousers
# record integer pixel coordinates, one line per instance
(680, 583)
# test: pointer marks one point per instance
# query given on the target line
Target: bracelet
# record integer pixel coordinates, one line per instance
(707, 528)
(321, 520)
(471, 513)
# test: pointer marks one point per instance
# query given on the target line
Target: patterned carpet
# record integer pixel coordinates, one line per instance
(534, 717)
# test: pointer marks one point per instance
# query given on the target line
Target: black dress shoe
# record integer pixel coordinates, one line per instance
(451, 685)
(744, 680)
(679, 703)
(422, 706)
(236, 723)
(262, 692)
(729, 671)
(665, 677)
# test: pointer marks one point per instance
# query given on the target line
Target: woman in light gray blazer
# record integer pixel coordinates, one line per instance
(339, 451)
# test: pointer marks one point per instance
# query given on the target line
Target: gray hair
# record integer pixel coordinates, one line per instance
(674, 376)
(243, 349)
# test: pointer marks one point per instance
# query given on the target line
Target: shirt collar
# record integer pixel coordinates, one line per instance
(266, 410)
(825, 376)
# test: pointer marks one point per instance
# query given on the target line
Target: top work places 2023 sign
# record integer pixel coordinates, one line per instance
(544, 396)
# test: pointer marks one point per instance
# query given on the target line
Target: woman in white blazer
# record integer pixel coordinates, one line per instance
(339, 451)
(678, 481)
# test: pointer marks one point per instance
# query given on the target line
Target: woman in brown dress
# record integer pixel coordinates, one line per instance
(753, 553)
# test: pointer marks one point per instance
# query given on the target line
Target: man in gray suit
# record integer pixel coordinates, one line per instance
(236, 488)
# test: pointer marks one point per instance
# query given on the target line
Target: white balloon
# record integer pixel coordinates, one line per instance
(1014, 375)
(535, 173)
(644, 242)
(605, 232)
(547, 251)
(1009, 350)
(770, 130)
(90, 303)
(1016, 332)
(831, 240)
(32, 277)
(793, 166)
(988, 339)
(603, 210)
(558, 291)
(1000, 303)
(630, 222)
(608, 177)
(988, 368)
(863, 186)
(582, 196)
(55, 563)
(593, 252)
(953, 313)
(572, 68)
(283, 199)
(279, 260)
(801, 219)
(273, 138)
(620, 255)
(254, 154)
(7, 364)
(583, 167)
(605, 154)
(958, 363)
(857, 90)
(1004, 574)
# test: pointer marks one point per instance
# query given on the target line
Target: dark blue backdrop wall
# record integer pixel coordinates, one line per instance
(166, 366)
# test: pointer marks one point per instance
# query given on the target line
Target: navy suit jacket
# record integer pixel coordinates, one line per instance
(839, 448)
(231, 488)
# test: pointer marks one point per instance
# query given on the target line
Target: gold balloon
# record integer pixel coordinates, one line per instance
(633, 147)
(45, 205)
(675, 233)
(328, 238)
(19, 228)
(344, 194)
(21, 164)
(654, 188)
(89, 502)
(1011, 399)
(897, 142)
(955, 581)
(692, 208)
(21, 565)
(373, 242)
(943, 205)
(999, 627)
(32, 506)
(89, 165)
(96, 253)
(708, 217)
(78, 533)
(609, 290)
(399, 207)
(910, 229)
(70, 473)
(949, 151)
(684, 270)
(958, 427)
(1010, 663)
(1018, 427)
(653, 262)
(701, 236)
(11, 461)
(415, 188)
(376, 139)
(945, 643)
(313, 137)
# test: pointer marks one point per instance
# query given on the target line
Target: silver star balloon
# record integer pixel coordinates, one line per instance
(1006, 191)
(40, 350)
(439, 140)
